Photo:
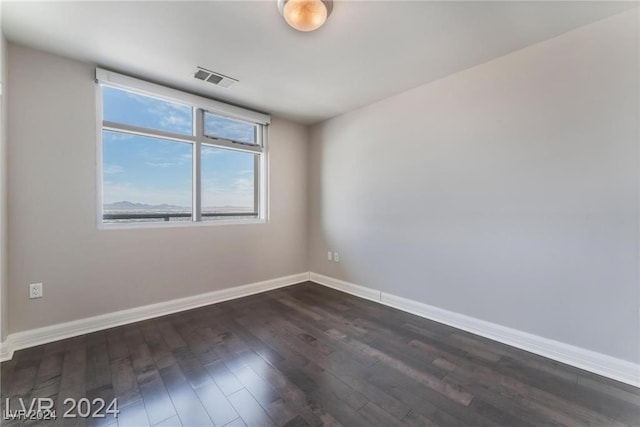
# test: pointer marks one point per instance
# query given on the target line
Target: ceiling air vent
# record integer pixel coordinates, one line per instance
(214, 78)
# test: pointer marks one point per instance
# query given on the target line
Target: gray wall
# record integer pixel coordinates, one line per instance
(52, 212)
(4, 274)
(507, 192)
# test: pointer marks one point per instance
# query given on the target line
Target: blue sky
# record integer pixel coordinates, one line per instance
(154, 171)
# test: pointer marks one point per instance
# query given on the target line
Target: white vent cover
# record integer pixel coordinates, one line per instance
(214, 78)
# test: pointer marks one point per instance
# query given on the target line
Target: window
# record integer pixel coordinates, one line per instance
(169, 156)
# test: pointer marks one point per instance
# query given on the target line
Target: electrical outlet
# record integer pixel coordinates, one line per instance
(336, 257)
(35, 290)
(329, 256)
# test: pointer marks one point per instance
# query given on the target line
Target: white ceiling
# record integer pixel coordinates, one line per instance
(366, 51)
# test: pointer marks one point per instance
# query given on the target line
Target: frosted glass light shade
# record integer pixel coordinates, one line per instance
(305, 15)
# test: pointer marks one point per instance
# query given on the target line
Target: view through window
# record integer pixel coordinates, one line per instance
(165, 161)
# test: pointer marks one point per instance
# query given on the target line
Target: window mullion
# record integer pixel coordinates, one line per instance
(147, 132)
(198, 131)
(263, 186)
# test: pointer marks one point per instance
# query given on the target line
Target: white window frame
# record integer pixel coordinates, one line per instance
(199, 105)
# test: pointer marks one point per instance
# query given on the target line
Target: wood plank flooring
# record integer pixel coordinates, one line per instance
(308, 355)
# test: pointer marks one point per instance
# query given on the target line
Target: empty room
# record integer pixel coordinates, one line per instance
(320, 213)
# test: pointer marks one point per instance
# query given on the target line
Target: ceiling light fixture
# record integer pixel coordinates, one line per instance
(305, 15)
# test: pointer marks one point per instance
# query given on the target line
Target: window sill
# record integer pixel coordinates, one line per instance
(176, 224)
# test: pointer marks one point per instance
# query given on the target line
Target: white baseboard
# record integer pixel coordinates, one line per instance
(350, 288)
(601, 364)
(6, 353)
(588, 360)
(74, 328)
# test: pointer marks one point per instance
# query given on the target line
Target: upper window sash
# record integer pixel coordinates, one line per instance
(222, 128)
(151, 89)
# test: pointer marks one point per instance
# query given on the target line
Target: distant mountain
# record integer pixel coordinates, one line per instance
(128, 206)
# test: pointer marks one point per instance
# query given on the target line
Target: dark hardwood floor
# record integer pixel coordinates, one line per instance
(308, 355)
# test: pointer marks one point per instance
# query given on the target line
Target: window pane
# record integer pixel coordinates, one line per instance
(146, 179)
(222, 127)
(131, 108)
(228, 183)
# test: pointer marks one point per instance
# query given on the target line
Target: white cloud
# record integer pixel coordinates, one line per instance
(118, 136)
(238, 193)
(160, 164)
(167, 160)
(173, 121)
(112, 169)
(210, 151)
(243, 185)
(173, 117)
